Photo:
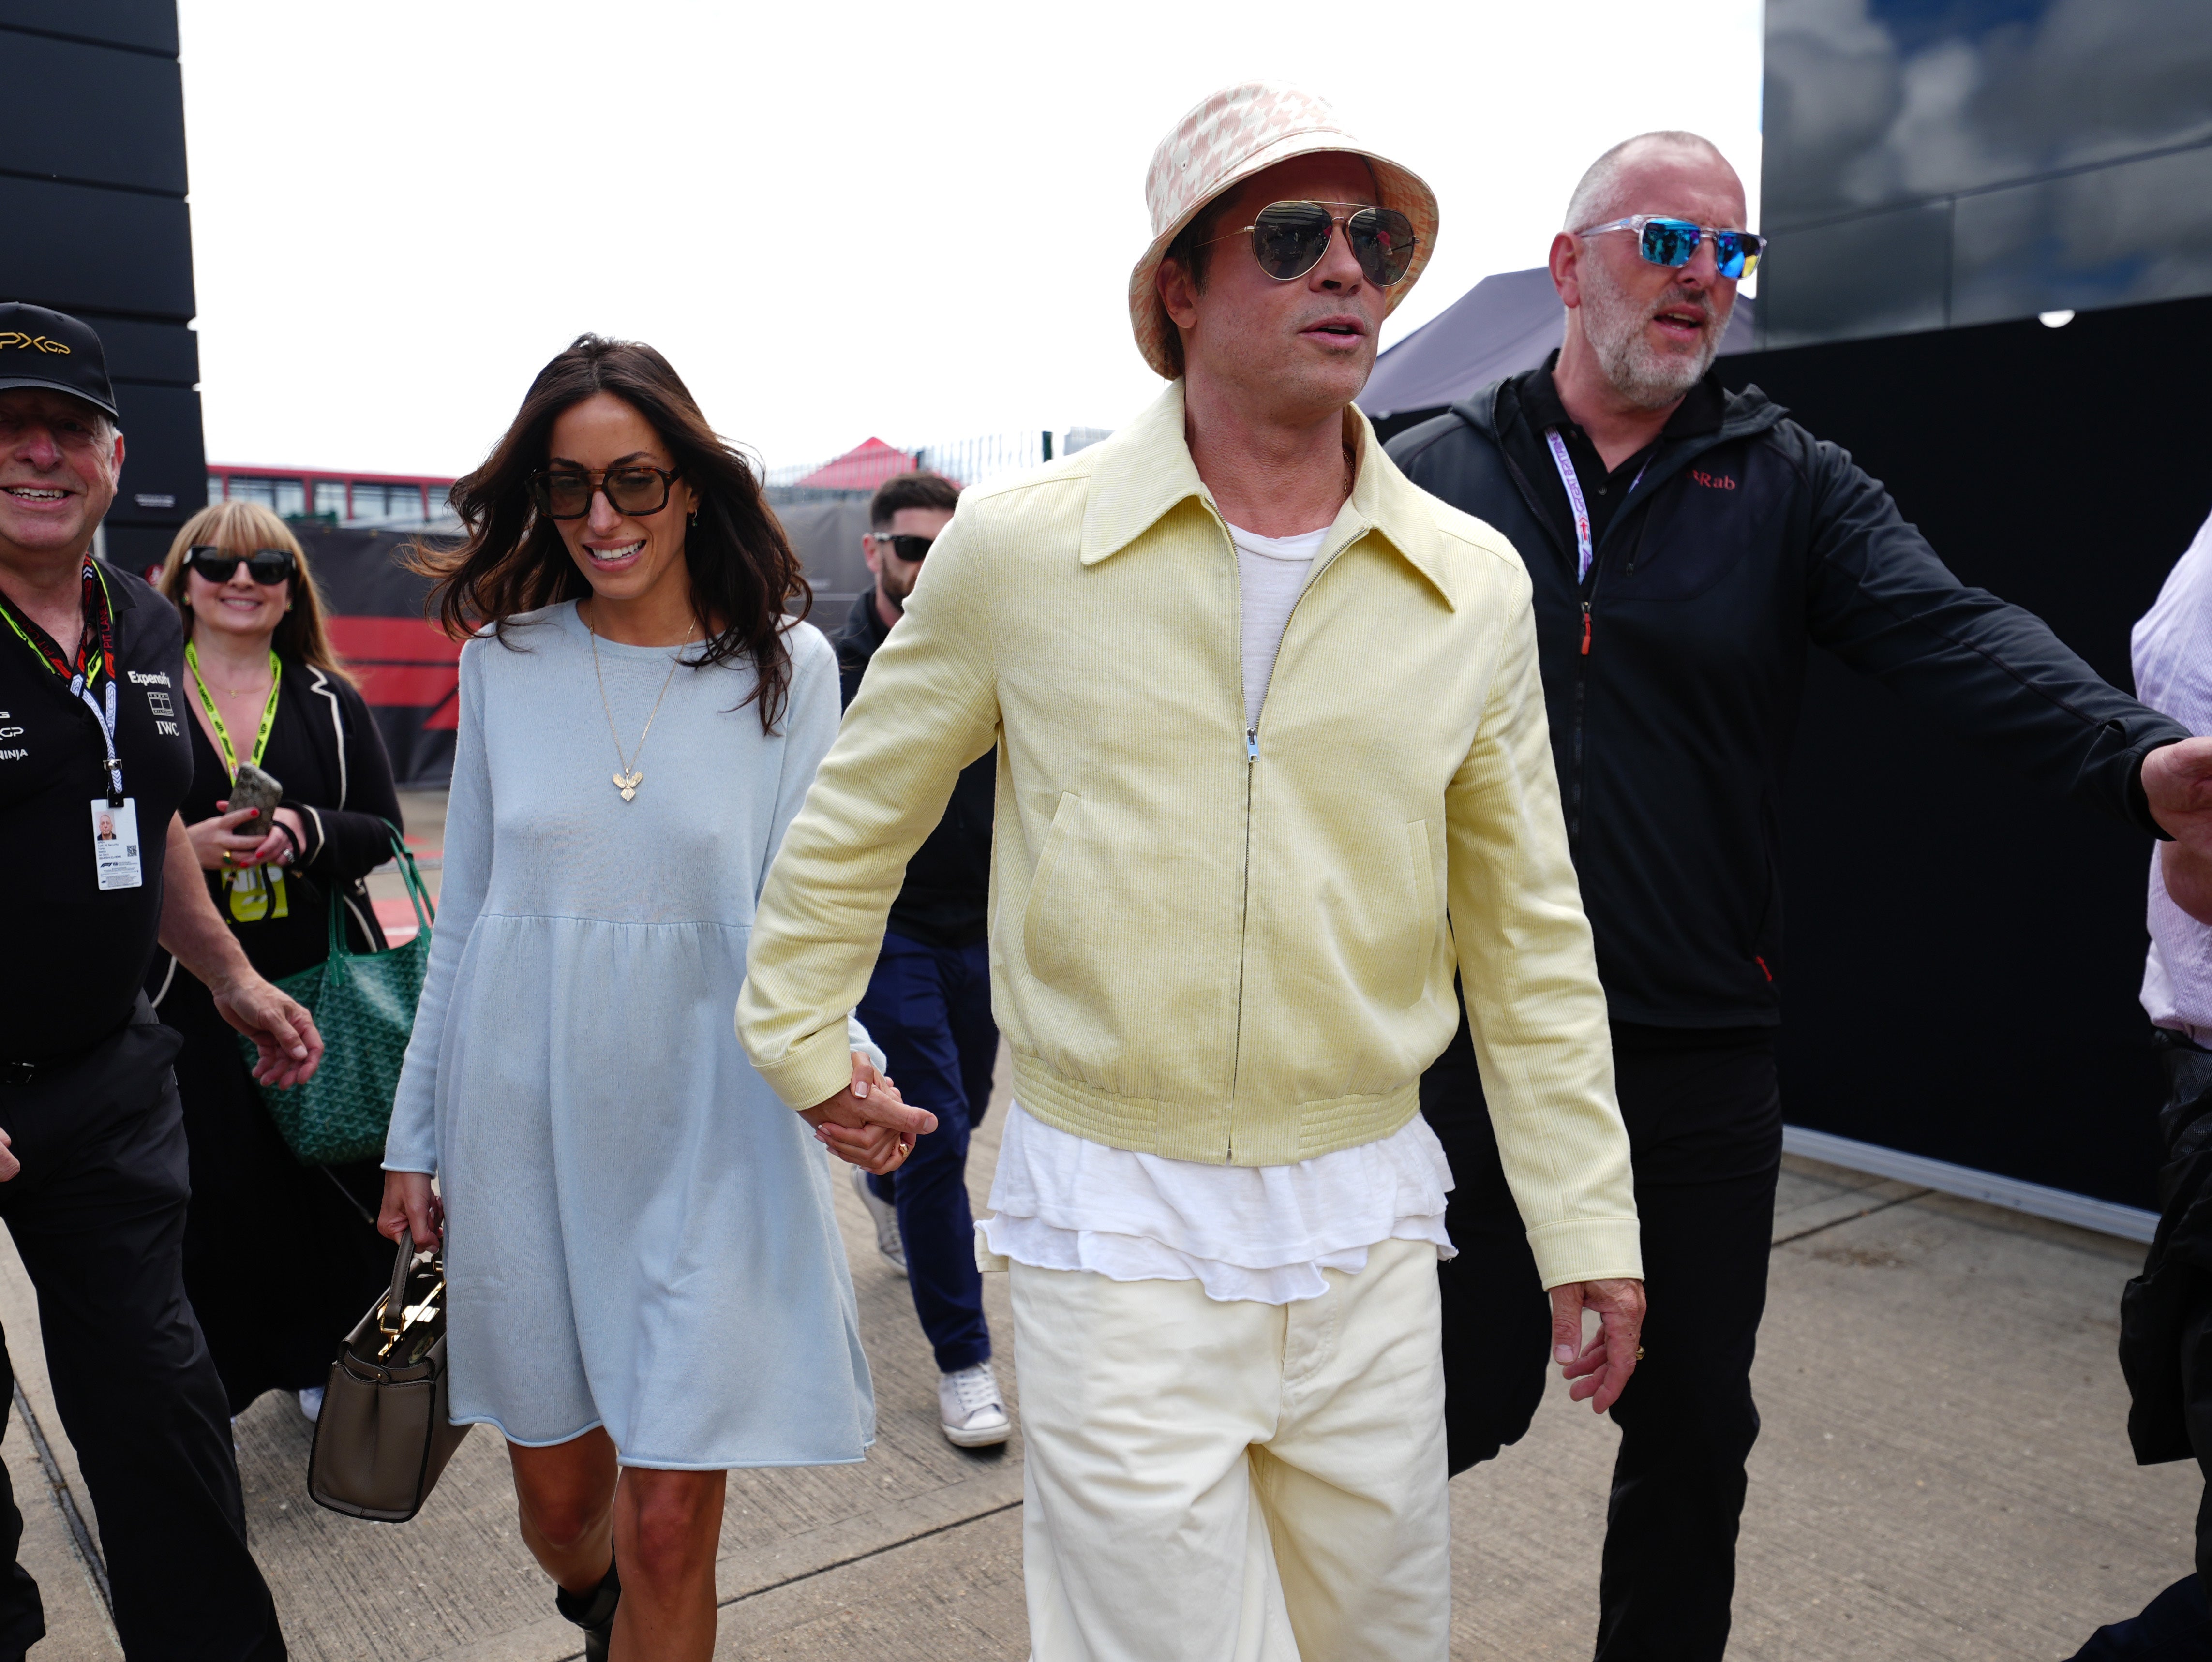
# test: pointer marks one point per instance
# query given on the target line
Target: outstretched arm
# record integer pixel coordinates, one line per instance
(1990, 672)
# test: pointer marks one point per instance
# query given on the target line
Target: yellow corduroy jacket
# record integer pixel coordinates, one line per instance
(1209, 943)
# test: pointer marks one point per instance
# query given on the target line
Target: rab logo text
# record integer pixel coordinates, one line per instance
(29, 343)
(1713, 481)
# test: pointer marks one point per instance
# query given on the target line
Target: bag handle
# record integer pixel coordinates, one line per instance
(392, 1315)
(418, 892)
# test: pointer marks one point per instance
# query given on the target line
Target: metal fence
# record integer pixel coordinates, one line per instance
(971, 461)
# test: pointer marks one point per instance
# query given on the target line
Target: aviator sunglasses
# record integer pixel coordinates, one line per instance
(635, 491)
(1675, 242)
(267, 566)
(1290, 238)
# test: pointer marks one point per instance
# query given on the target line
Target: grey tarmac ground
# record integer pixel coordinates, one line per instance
(1943, 1473)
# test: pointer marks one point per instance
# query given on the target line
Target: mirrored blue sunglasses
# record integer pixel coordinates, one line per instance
(1675, 242)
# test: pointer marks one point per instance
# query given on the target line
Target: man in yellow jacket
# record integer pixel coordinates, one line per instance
(1272, 764)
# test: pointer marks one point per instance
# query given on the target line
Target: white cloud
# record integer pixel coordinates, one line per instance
(835, 220)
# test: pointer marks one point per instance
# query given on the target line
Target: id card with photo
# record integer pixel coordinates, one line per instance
(115, 843)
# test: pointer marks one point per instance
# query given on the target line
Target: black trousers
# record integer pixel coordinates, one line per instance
(2177, 1625)
(1704, 1127)
(98, 1215)
(23, 1616)
(308, 1230)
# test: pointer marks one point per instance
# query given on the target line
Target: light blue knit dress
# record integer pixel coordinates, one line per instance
(640, 1234)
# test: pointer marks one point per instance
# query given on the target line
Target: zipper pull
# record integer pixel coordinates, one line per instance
(1586, 629)
(1251, 745)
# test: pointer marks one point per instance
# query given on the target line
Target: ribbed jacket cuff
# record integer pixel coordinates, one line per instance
(813, 1071)
(1588, 1249)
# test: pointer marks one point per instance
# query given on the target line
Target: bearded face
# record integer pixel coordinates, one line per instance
(1652, 349)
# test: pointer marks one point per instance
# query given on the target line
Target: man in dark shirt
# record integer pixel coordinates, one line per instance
(929, 1002)
(1687, 547)
(93, 1173)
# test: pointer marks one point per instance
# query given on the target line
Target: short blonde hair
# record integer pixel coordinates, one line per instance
(240, 528)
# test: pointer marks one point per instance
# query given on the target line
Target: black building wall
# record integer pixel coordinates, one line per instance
(1963, 953)
(92, 191)
(1965, 956)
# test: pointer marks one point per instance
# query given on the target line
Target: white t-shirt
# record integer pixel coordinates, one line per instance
(1271, 575)
(1263, 1233)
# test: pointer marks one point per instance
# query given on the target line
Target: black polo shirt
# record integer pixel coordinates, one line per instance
(75, 954)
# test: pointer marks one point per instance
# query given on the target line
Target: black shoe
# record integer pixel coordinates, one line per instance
(593, 1612)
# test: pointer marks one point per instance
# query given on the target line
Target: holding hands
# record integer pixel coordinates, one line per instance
(868, 1123)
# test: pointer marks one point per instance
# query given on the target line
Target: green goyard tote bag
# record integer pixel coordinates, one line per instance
(364, 1006)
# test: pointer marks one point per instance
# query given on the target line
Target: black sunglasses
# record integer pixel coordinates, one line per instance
(908, 548)
(635, 491)
(267, 566)
(1290, 238)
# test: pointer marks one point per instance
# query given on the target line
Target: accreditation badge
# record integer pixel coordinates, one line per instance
(115, 843)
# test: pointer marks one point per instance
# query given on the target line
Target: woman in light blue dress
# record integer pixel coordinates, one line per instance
(647, 1286)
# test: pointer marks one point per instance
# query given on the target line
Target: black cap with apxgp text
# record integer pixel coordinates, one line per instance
(39, 348)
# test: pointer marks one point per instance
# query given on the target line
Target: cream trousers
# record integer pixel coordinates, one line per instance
(1235, 1481)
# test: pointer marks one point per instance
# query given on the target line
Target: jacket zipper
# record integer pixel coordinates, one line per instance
(1539, 512)
(1582, 666)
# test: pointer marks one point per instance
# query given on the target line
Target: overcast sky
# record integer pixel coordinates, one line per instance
(836, 221)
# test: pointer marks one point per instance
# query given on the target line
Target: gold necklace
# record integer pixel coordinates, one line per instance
(628, 776)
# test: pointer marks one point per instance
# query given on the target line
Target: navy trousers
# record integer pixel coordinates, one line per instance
(929, 1008)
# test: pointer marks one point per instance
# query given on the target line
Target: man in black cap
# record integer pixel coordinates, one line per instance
(93, 1169)
(1687, 545)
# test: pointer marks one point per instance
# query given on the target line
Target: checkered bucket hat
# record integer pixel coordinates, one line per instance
(1237, 133)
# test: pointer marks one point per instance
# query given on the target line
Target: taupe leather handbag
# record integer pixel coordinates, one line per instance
(384, 1436)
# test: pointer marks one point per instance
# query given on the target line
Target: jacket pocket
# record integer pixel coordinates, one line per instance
(1422, 888)
(1044, 947)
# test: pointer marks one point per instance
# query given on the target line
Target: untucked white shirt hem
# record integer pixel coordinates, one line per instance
(1262, 1234)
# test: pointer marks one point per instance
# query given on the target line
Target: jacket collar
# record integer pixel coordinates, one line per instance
(1144, 471)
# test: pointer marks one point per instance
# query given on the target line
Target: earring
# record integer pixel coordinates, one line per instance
(695, 516)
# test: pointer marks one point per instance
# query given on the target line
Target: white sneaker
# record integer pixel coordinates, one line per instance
(886, 1220)
(311, 1402)
(968, 1406)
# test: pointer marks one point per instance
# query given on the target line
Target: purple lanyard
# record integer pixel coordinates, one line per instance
(1584, 552)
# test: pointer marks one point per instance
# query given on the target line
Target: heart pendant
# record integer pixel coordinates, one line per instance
(628, 784)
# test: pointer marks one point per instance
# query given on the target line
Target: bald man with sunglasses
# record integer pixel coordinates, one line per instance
(1687, 546)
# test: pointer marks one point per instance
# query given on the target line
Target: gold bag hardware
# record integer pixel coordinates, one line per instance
(384, 1435)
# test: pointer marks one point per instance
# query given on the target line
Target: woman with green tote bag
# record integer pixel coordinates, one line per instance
(280, 1258)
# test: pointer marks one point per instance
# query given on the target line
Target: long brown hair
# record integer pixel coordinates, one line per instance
(240, 528)
(741, 565)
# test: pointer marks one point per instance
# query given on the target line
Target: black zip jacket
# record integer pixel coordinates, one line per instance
(1672, 676)
(946, 898)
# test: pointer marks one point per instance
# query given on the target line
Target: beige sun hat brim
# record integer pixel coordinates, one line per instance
(1400, 188)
